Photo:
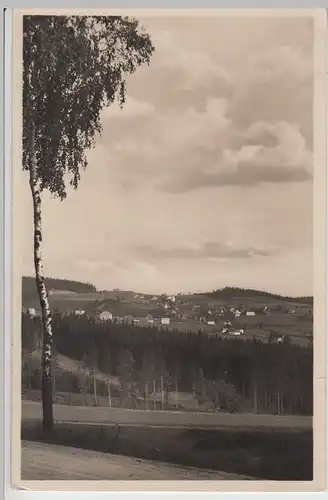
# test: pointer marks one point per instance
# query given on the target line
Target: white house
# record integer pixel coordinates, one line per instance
(237, 333)
(211, 323)
(31, 312)
(250, 313)
(237, 313)
(79, 312)
(105, 316)
(165, 321)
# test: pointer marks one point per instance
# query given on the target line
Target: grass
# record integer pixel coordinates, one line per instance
(270, 454)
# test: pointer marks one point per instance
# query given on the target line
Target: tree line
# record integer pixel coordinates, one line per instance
(228, 292)
(29, 290)
(268, 378)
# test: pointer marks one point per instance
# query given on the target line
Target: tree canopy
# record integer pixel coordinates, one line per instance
(73, 66)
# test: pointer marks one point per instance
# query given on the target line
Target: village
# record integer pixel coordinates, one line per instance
(195, 313)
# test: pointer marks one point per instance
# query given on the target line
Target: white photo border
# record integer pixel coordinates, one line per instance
(6, 248)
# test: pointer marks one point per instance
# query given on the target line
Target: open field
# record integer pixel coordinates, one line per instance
(101, 415)
(50, 462)
(266, 453)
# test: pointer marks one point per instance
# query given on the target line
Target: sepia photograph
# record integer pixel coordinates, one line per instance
(168, 185)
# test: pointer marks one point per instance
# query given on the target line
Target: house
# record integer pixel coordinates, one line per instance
(150, 318)
(211, 323)
(79, 312)
(237, 333)
(31, 312)
(250, 313)
(237, 313)
(154, 298)
(105, 316)
(165, 321)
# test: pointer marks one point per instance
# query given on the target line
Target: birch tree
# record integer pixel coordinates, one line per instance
(73, 66)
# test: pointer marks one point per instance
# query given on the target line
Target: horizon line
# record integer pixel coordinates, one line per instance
(200, 292)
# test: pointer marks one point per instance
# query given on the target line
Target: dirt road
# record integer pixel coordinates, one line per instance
(101, 415)
(51, 463)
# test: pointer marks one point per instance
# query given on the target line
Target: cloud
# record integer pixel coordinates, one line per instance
(207, 250)
(205, 137)
(275, 85)
(274, 153)
(132, 109)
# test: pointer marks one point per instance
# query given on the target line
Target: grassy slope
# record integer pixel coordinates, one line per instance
(279, 454)
(65, 364)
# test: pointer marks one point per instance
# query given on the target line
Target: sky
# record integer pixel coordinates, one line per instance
(204, 178)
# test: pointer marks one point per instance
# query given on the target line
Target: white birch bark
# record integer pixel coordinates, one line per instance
(42, 292)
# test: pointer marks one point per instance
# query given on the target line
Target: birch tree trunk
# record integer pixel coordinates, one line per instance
(94, 385)
(154, 394)
(162, 392)
(146, 395)
(255, 399)
(278, 403)
(176, 394)
(109, 395)
(47, 407)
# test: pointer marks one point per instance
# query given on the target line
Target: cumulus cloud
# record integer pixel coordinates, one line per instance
(275, 85)
(201, 121)
(271, 153)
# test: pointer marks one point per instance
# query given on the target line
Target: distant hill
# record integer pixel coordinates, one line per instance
(231, 292)
(75, 294)
(29, 291)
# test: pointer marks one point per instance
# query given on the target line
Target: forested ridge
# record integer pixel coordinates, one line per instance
(29, 286)
(229, 292)
(269, 378)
